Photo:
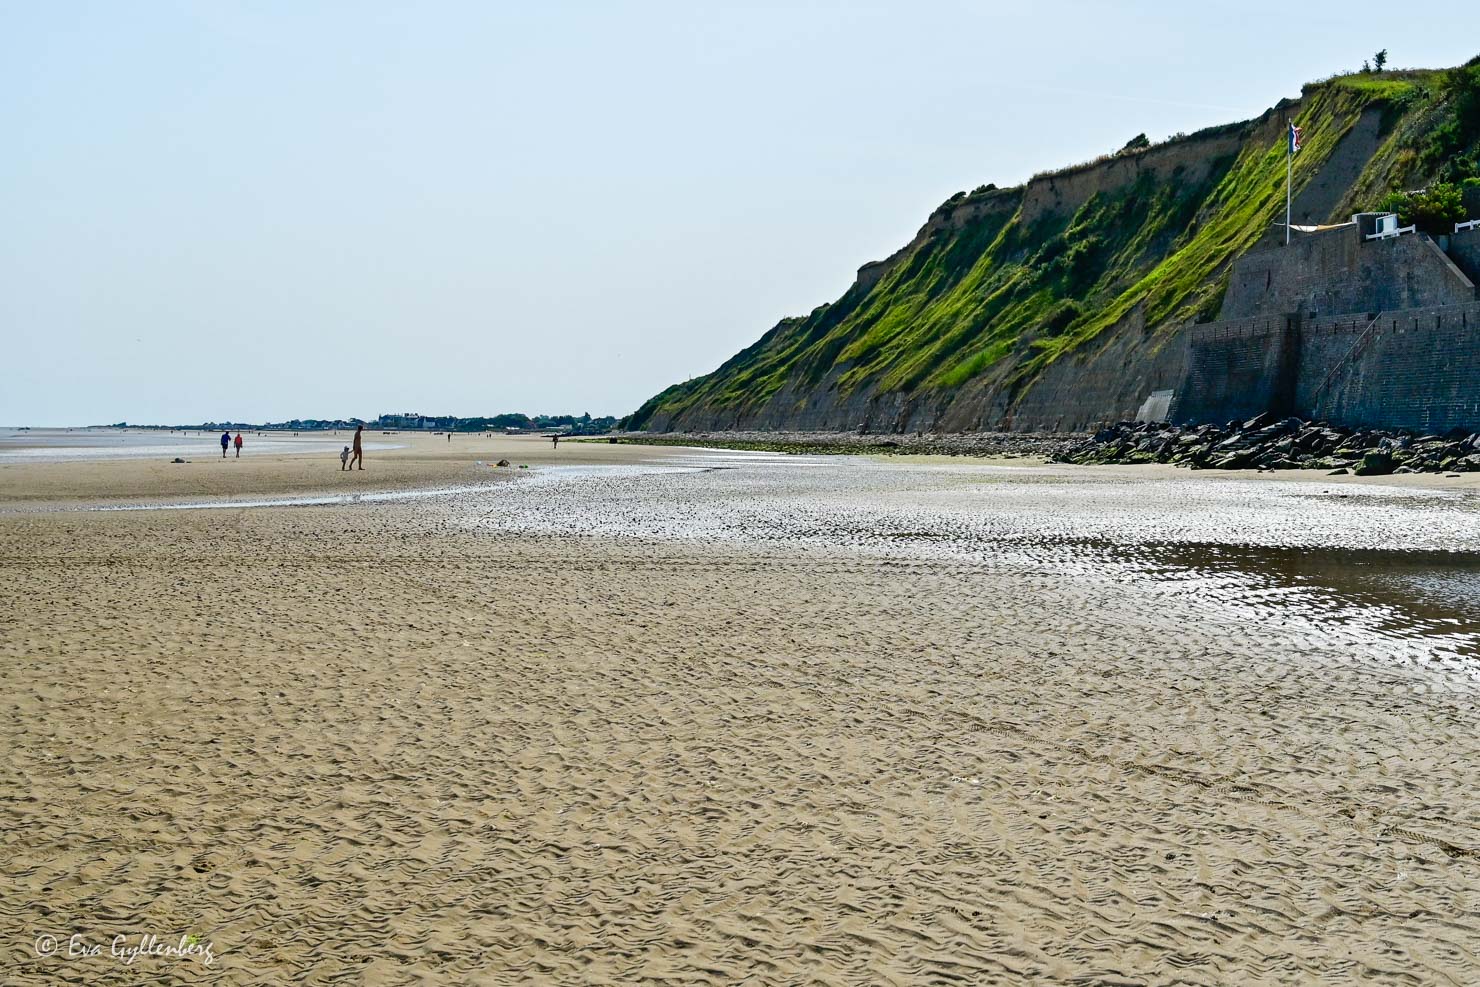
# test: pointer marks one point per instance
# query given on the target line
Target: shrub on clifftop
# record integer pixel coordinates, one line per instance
(1433, 210)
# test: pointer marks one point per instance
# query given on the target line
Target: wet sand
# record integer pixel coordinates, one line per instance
(777, 718)
(418, 460)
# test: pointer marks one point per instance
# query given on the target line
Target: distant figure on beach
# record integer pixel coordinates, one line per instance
(555, 442)
(238, 445)
(344, 458)
(225, 441)
(359, 451)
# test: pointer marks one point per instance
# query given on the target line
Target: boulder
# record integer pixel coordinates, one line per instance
(1375, 463)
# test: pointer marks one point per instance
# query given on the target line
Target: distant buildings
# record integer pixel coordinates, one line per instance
(414, 421)
(513, 423)
(411, 421)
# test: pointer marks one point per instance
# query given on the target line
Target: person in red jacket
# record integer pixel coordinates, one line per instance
(238, 445)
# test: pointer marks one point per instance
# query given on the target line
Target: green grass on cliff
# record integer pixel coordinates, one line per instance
(989, 295)
(1239, 211)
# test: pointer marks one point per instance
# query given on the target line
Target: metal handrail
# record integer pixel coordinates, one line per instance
(1351, 354)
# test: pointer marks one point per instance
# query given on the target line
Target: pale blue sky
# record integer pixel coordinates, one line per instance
(258, 211)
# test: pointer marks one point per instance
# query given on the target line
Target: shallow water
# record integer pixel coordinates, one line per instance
(49, 445)
(1387, 569)
(1392, 570)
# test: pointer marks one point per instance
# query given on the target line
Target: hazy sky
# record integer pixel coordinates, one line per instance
(262, 210)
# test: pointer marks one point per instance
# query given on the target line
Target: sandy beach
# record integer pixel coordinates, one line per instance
(661, 715)
(395, 460)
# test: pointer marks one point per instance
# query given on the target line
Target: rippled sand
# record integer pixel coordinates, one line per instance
(783, 721)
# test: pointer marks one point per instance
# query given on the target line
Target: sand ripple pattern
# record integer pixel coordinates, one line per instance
(399, 745)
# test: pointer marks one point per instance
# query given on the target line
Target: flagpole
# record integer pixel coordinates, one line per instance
(1289, 171)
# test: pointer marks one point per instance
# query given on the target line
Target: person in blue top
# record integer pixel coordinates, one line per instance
(225, 441)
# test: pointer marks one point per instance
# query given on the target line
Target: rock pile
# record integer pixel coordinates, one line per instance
(1268, 443)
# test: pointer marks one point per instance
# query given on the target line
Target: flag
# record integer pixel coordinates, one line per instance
(1296, 136)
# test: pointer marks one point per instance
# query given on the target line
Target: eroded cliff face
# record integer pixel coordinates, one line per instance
(1060, 304)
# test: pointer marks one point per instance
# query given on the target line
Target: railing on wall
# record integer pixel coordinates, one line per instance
(1351, 355)
(1472, 224)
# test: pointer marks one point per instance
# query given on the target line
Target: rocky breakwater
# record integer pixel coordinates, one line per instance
(1266, 443)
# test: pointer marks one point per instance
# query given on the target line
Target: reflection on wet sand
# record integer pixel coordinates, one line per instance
(1405, 595)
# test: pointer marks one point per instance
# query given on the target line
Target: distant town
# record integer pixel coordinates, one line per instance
(512, 423)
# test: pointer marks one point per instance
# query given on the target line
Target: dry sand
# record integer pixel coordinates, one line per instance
(825, 724)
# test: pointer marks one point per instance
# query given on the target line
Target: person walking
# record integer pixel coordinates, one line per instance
(555, 441)
(225, 441)
(238, 445)
(344, 459)
(359, 453)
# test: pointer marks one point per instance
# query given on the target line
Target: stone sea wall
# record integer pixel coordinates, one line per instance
(1417, 369)
(1238, 369)
(1344, 330)
(1464, 250)
(1335, 272)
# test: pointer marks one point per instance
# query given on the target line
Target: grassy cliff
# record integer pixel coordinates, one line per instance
(1006, 298)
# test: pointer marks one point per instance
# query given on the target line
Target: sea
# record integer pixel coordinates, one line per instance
(41, 445)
